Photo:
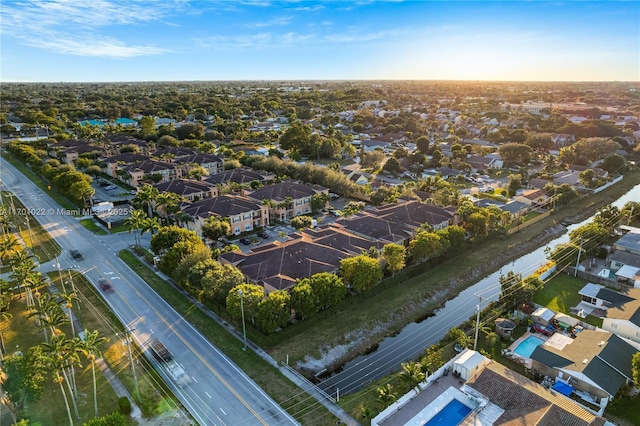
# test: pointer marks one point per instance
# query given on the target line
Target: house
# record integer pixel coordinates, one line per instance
(111, 164)
(356, 177)
(484, 163)
(483, 392)
(376, 228)
(601, 297)
(287, 199)
(244, 215)
(191, 190)
(628, 243)
(533, 197)
(629, 275)
(70, 150)
(596, 364)
(370, 145)
(618, 259)
(537, 183)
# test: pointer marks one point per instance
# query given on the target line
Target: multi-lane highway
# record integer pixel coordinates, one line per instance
(219, 393)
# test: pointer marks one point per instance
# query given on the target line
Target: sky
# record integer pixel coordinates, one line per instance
(178, 40)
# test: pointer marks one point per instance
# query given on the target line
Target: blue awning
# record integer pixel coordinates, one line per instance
(563, 388)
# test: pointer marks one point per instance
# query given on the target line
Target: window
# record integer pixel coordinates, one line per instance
(246, 216)
(298, 203)
(298, 212)
(306, 209)
(236, 230)
(236, 219)
(247, 227)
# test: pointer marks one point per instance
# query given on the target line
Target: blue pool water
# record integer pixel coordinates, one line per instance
(527, 346)
(451, 415)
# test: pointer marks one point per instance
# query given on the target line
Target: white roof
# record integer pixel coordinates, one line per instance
(627, 271)
(590, 289)
(566, 319)
(469, 359)
(544, 313)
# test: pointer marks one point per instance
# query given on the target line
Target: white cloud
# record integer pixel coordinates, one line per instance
(282, 20)
(80, 28)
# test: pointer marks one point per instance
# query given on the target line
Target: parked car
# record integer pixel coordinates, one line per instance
(75, 254)
(105, 285)
(104, 183)
(537, 328)
(245, 241)
(110, 187)
(263, 235)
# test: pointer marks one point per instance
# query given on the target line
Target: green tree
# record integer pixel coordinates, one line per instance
(296, 136)
(301, 222)
(215, 227)
(589, 237)
(247, 296)
(515, 154)
(422, 143)
(360, 272)
(613, 163)
(145, 199)
(218, 281)
(635, 367)
(394, 255)
(113, 419)
(412, 375)
(26, 376)
(304, 300)
(425, 245)
(147, 126)
(168, 236)
(274, 311)
(392, 166)
(328, 288)
(319, 201)
(90, 347)
(134, 222)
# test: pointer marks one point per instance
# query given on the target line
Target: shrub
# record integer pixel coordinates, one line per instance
(125, 405)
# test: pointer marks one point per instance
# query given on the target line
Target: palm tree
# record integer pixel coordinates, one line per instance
(168, 203)
(4, 315)
(412, 375)
(5, 397)
(68, 299)
(149, 224)
(9, 246)
(146, 197)
(5, 218)
(59, 357)
(90, 347)
(134, 222)
(386, 395)
(48, 315)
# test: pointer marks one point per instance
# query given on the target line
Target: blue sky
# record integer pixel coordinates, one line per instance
(107, 40)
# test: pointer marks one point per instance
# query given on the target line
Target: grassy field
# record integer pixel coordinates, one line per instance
(91, 226)
(32, 233)
(300, 405)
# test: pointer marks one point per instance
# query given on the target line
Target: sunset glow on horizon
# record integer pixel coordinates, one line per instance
(108, 40)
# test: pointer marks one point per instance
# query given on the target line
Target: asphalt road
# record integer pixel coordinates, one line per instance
(220, 393)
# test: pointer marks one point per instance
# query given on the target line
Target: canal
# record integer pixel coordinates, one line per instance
(410, 343)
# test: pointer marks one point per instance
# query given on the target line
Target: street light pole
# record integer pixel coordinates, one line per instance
(244, 327)
(575, 272)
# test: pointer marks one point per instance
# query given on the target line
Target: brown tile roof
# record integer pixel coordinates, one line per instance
(378, 228)
(239, 175)
(526, 402)
(183, 186)
(149, 166)
(284, 189)
(223, 206)
(413, 213)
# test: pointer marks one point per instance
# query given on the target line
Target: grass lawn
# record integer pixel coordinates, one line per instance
(20, 333)
(32, 233)
(91, 226)
(119, 228)
(560, 294)
(304, 408)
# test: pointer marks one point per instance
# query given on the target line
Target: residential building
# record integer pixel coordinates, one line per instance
(287, 199)
(243, 214)
(241, 175)
(191, 190)
(596, 364)
(623, 319)
(628, 243)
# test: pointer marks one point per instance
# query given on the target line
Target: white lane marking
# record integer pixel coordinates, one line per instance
(151, 330)
(194, 379)
(207, 394)
(223, 411)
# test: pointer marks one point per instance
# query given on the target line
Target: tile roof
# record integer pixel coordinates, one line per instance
(413, 213)
(127, 157)
(286, 188)
(183, 186)
(149, 166)
(378, 229)
(285, 262)
(224, 205)
(526, 402)
(238, 175)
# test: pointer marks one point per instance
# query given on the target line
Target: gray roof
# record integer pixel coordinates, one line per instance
(625, 258)
(183, 186)
(238, 175)
(613, 297)
(286, 188)
(629, 242)
(605, 376)
(224, 205)
(543, 356)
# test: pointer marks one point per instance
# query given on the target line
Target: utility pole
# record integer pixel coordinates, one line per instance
(475, 341)
(575, 272)
(244, 327)
(127, 337)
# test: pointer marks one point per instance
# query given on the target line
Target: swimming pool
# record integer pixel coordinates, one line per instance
(451, 415)
(527, 346)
